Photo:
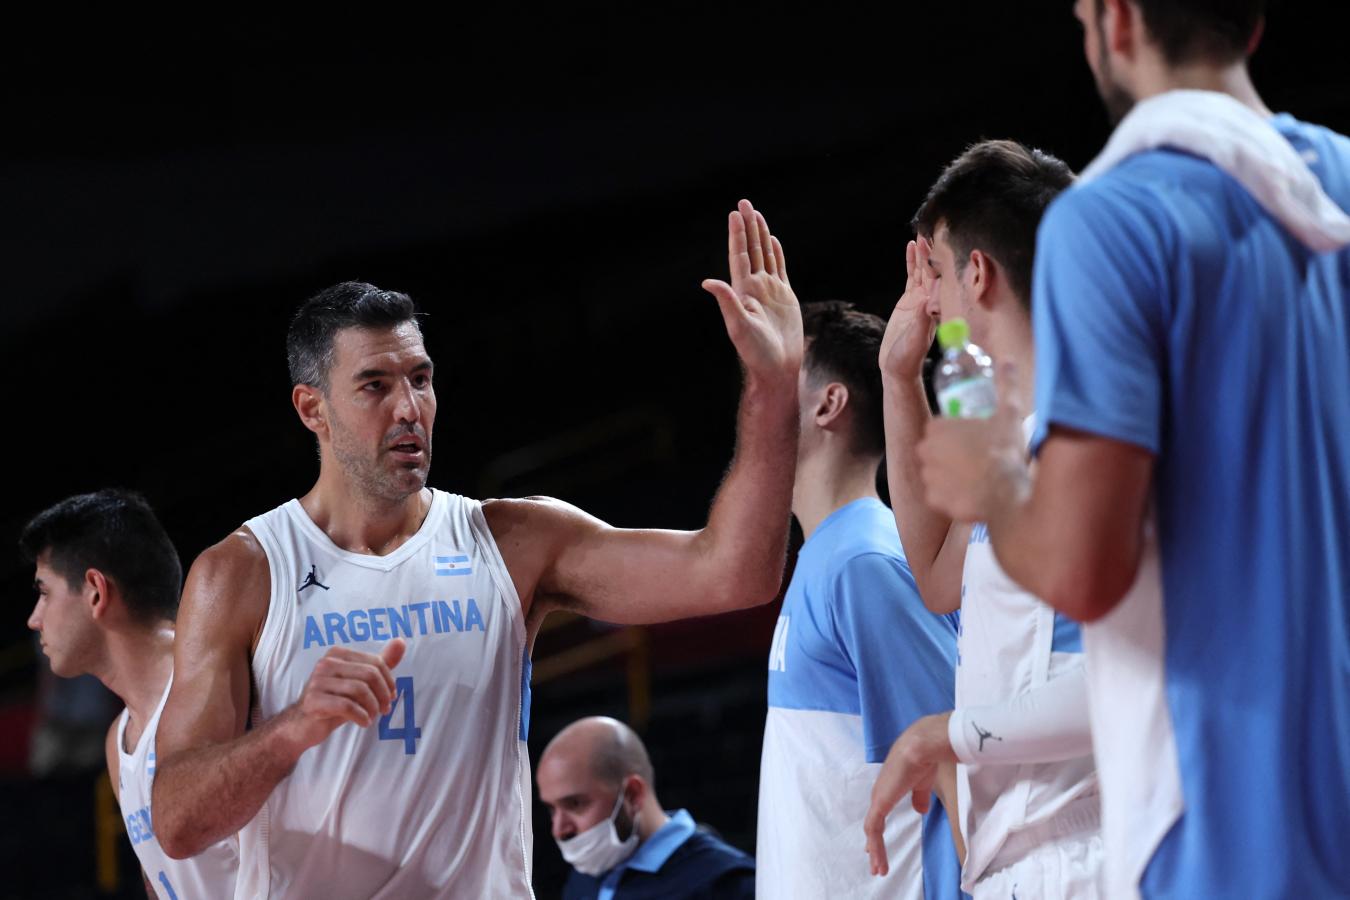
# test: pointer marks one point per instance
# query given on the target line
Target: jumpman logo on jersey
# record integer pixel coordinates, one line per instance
(311, 580)
(984, 735)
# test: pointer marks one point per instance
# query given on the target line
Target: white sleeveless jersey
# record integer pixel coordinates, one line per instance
(210, 874)
(1005, 648)
(432, 800)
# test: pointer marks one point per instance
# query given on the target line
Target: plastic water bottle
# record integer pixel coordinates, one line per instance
(964, 381)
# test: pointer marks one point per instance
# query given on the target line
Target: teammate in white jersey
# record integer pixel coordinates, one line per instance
(107, 578)
(317, 602)
(1026, 784)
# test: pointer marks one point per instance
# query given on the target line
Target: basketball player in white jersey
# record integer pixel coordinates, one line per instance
(107, 579)
(379, 631)
(1026, 783)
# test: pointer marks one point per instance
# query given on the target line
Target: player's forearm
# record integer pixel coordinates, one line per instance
(1033, 548)
(1047, 724)
(203, 795)
(1076, 564)
(744, 545)
(922, 531)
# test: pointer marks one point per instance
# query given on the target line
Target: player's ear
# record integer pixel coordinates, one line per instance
(634, 792)
(309, 403)
(1121, 24)
(832, 402)
(1255, 40)
(96, 592)
(981, 271)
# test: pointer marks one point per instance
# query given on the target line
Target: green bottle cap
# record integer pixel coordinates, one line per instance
(953, 333)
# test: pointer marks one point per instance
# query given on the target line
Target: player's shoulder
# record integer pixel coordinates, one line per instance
(522, 509)
(866, 541)
(230, 581)
(1122, 214)
(1130, 190)
(238, 556)
(1320, 136)
(866, 569)
(535, 517)
(1326, 152)
(862, 574)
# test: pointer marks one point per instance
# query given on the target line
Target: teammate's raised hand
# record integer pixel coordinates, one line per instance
(763, 318)
(345, 686)
(909, 333)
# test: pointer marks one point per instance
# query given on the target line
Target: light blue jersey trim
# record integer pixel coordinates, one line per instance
(526, 670)
(1068, 635)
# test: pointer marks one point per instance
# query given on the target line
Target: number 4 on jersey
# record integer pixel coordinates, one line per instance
(408, 732)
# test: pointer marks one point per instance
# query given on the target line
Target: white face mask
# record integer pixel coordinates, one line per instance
(598, 848)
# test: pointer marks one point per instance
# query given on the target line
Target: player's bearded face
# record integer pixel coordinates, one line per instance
(376, 465)
(379, 408)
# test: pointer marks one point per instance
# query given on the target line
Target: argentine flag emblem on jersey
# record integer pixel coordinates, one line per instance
(453, 565)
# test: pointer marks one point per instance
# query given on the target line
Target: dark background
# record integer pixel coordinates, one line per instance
(551, 187)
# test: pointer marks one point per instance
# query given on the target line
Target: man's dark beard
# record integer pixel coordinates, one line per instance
(624, 824)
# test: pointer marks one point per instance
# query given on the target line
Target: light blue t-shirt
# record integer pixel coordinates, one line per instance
(1173, 313)
(856, 659)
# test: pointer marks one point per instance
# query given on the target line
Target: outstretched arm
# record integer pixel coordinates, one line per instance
(934, 547)
(213, 775)
(560, 557)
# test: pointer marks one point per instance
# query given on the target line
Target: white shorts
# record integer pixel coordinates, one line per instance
(1067, 869)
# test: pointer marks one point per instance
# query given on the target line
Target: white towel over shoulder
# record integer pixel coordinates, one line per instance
(1241, 142)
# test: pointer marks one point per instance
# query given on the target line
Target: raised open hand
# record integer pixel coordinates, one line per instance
(763, 318)
(909, 333)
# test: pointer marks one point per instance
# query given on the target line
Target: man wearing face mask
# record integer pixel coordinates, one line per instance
(596, 779)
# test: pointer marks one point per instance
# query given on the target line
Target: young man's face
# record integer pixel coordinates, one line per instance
(63, 618)
(952, 295)
(381, 409)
